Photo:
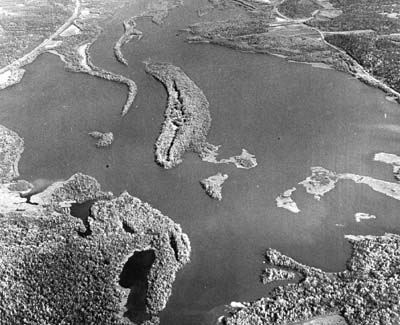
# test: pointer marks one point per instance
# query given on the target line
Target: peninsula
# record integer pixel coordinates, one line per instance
(367, 292)
(83, 268)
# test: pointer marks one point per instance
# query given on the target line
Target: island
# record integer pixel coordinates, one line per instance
(213, 185)
(56, 267)
(284, 200)
(187, 118)
(103, 139)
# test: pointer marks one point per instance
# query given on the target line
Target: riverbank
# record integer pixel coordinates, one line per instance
(266, 30)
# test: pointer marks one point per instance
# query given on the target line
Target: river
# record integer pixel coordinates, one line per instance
(291, 116)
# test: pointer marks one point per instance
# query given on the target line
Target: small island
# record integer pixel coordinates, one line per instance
(103, 139)
(213, 185)
(284, 200)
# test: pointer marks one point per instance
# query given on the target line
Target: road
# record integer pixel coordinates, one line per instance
(29, 57)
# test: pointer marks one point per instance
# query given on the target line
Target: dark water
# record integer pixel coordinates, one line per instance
(291, 116)
(134, 276)
(82, 211)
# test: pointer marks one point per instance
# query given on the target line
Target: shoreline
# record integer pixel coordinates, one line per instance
(291, 47)
(70, 49)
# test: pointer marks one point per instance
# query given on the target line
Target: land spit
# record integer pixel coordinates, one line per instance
(73, 48)
(54, 269)
(367, 292)
(77, 59)
(213, 185)
(157, 11)
(187, 118)
(130, 32)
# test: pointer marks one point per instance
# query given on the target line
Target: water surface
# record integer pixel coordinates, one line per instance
(291, 116)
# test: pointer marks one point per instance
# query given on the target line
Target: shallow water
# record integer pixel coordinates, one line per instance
(291, 116)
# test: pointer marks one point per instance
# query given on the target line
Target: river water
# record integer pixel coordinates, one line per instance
(291, 116)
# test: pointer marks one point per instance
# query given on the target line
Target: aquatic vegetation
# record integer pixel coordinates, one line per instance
(187, 118)
(367, 292)
(391, 159)
(57, 268)
(363, 216)
(245, 160)
(213, 185)
(322, 181)
(272, 274)
(103, 139)
(284, 200)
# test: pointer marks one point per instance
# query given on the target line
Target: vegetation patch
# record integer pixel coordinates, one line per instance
(367, 292)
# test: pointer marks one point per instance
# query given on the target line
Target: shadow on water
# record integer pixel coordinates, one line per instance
(82, 211)
(134, 277)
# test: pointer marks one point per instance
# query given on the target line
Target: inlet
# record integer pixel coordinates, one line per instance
(82, 211)
(134, 277)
